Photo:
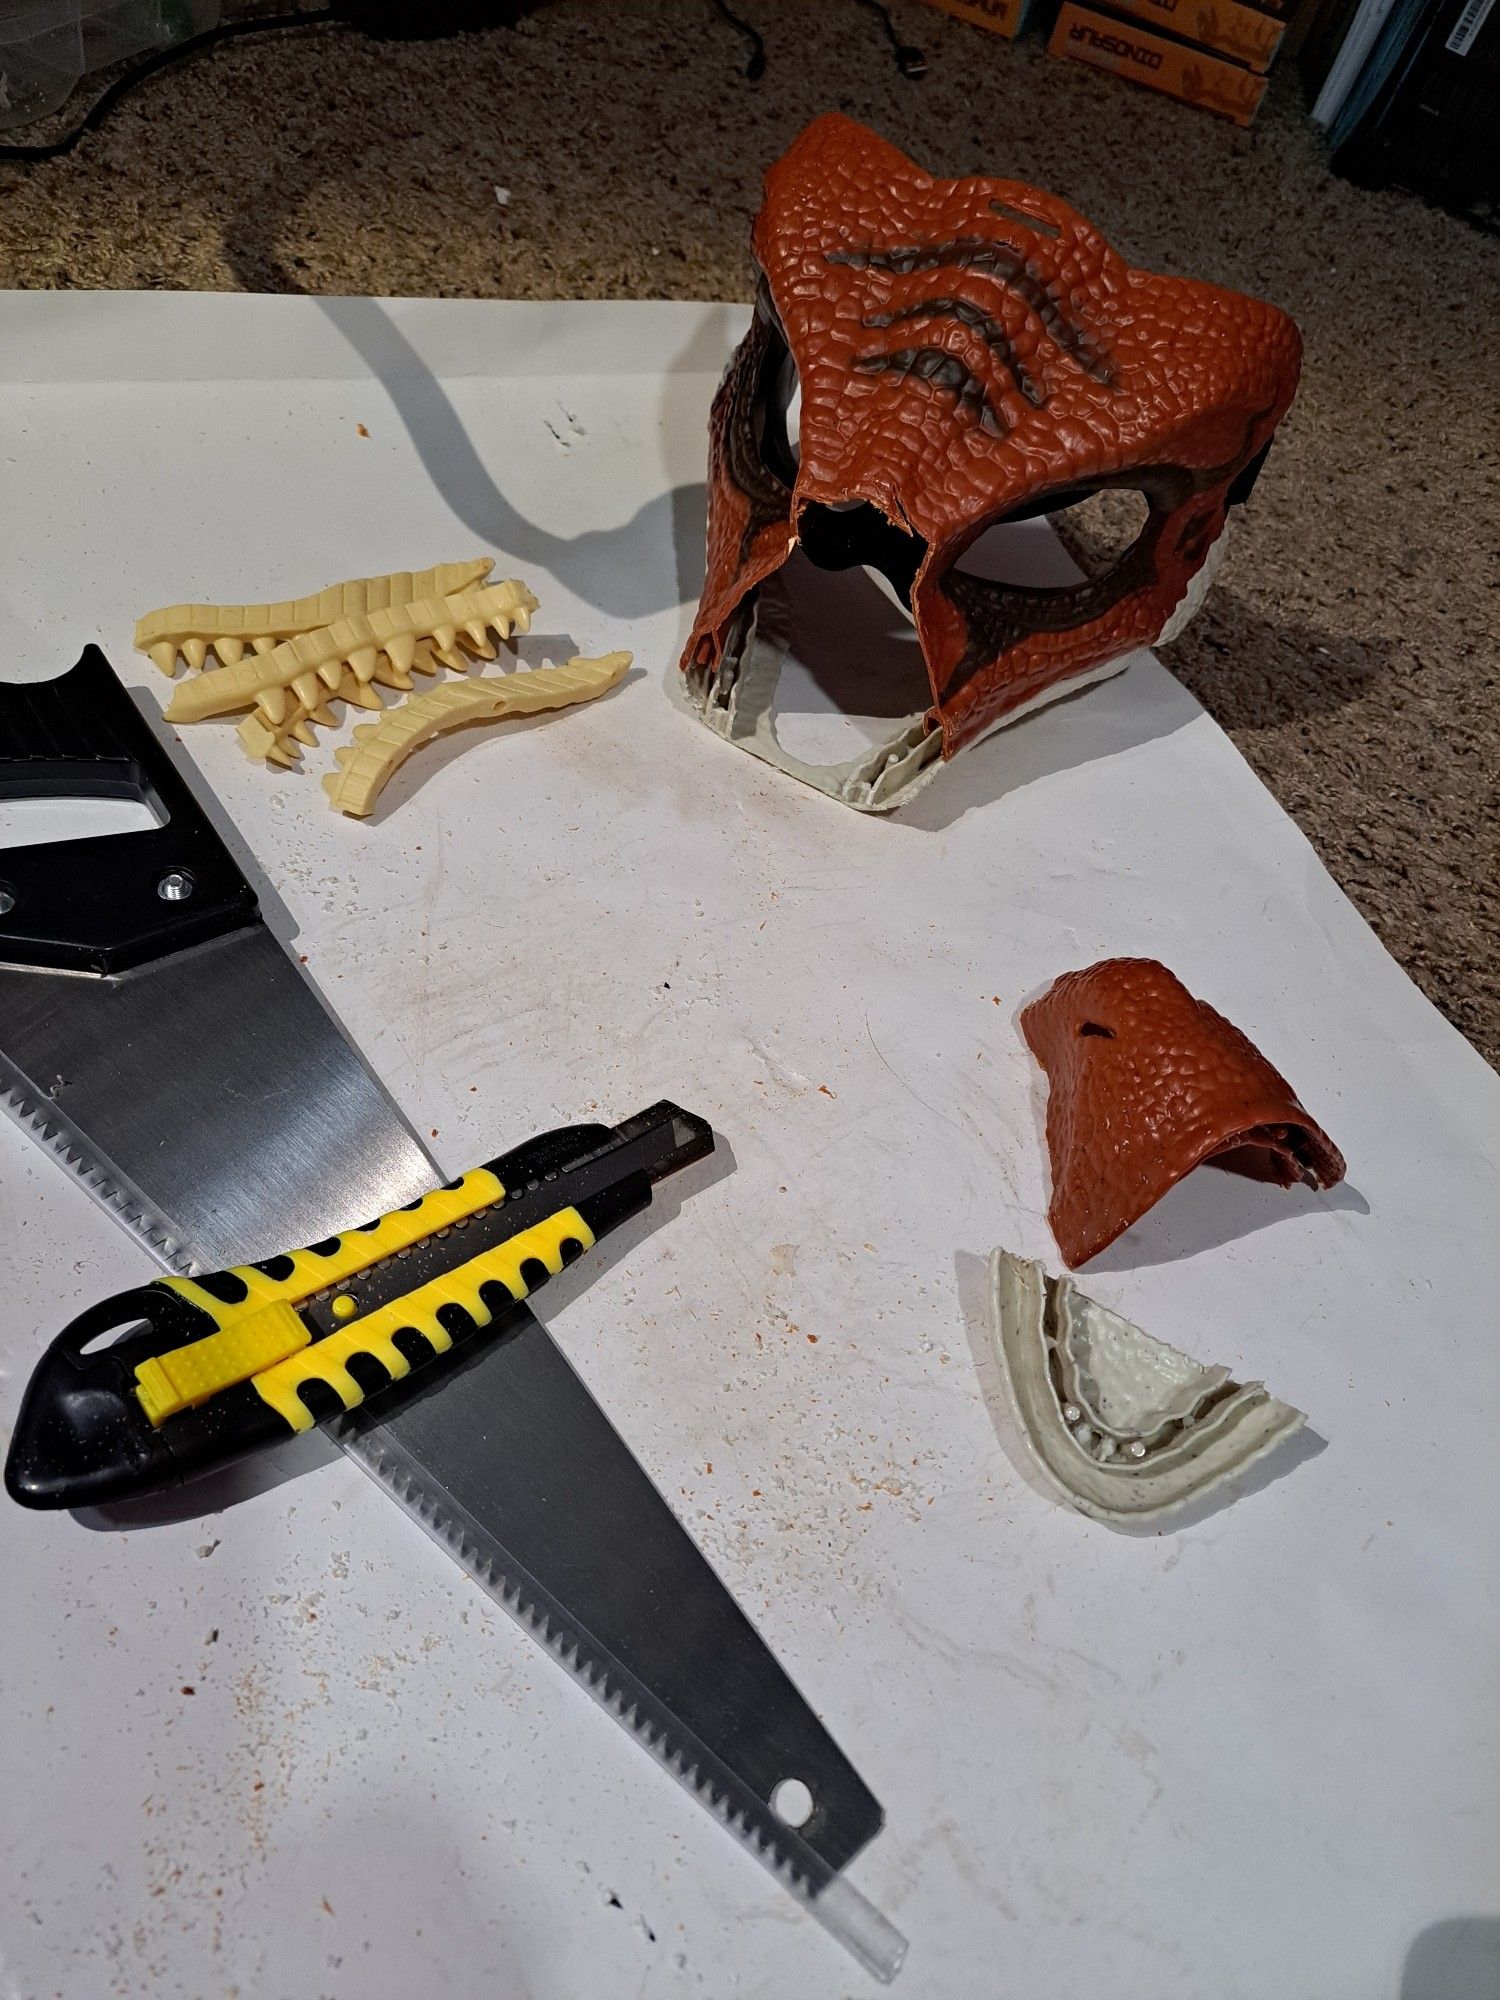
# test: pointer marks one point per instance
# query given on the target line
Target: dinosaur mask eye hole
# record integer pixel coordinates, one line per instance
(1099, 529)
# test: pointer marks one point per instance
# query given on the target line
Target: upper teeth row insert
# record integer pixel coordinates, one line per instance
(312, 666)
(190, 631)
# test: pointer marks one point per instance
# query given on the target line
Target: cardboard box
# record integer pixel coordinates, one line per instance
(1228, 27)
(1177, 68)
(1001, 17)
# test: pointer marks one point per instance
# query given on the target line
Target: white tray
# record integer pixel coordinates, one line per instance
(1254, 1757)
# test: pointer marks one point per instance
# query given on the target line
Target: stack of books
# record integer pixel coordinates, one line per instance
(1213, 53)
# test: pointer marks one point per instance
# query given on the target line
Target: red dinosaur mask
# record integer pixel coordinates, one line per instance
(967, 353)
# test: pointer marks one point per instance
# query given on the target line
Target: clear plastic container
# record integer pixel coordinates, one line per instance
(47, 45)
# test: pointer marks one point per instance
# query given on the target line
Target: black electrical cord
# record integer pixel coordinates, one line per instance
(386, 21)
(755, 69)
(909, 58)
(226, 31)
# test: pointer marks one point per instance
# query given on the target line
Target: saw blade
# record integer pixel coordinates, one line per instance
(206, 1097)
(622, 1597)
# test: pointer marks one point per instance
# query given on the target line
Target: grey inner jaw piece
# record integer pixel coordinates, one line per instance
(804, 628)
(1122, 1426)
(737, 700)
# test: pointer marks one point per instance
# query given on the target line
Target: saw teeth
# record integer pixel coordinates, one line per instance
(304, 733)
(391, 676)
(195, 652)
(444, 638)
(331, 674)
(308, 688)
(402, 651)
(480, 639)
(272, 703)
(361, 694)
(422, 659)
(230, 651)
(164, 655)
(363, 661)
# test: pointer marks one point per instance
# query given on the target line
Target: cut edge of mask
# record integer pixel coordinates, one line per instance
(736, 699)
(1199, 584)
(1121, 1426)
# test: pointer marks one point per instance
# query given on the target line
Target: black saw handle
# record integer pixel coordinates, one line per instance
(106, 904)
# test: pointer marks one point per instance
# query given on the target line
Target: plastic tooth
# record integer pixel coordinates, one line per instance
(450, 657)
(308, 689)
(195, 652)
(264, 645)
(392, 677)
(164, 656)
(272, 703)
(480, 639)
(523, 618)
(423, 661)
(230, 651)
(361, 695)
(363, 662)
(257, 740)
(502, 626)
(402, 652)
(331, 674)
(444, 637)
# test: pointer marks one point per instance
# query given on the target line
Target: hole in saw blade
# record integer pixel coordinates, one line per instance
(113, 1333)
(792, 1802)
(38, 822)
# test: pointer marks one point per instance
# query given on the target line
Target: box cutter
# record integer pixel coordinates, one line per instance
(159, 1042)
(205, 1370)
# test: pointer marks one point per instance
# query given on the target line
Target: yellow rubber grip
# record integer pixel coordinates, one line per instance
(171, 1382)
(327, 1360)
(353, 1251)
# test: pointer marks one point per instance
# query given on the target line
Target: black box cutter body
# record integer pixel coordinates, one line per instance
(208, 1369)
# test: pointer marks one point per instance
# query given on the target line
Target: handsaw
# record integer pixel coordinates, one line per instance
(158, 1040)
